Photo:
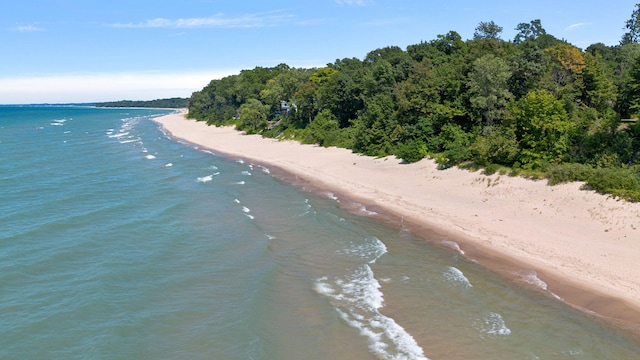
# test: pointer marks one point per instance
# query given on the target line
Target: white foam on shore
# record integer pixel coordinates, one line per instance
(455, 276)
(453, 245)
(531, 277)
(331, 195)
(264, 169)
(362, 210)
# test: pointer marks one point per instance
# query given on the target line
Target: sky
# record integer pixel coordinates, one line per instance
(70, 51)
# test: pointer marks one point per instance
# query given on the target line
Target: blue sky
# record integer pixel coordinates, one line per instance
(94, 50)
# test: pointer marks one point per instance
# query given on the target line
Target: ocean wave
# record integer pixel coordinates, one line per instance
(331, 195)
(362, 209)
(119, 135)
(452, 245)
(168, 165)
(492, 324)
(455, 276)
(370, 250)
(205, 179)
(246, 173)
(150, 157)
(357, 299)
(531, 278)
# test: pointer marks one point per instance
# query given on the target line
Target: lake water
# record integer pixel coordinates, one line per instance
(117, 242)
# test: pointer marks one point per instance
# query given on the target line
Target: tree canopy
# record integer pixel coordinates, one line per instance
(536, 105)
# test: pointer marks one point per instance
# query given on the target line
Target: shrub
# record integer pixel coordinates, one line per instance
(617, 181)
(412, 151)
(568, 172)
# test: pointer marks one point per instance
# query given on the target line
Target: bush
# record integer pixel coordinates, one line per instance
(456, 143)
(618, 181)
(567, 172)
(491, 169)
(412, 151)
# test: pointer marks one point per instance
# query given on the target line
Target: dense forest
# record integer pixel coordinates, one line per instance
(533, 106)
(172, 103)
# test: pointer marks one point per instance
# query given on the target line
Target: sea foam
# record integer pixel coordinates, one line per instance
(492, 324)
(357, 298)
(205, 179)
(531, 277)
(455, 276)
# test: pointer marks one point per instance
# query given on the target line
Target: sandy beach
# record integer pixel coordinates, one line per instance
(578, 245)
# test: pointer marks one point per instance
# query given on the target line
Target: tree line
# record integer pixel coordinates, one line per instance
(171, 103)
(534, 105)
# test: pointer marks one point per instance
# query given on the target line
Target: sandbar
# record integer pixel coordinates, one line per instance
(577, 245)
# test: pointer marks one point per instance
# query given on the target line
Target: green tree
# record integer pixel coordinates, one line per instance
(634, 89)
(487, 30)
(633, 27)
(530, 63)
(529, 31)
(253, 116)
(377, 130)
(324, 129)
(497, 145)
(488, 88)
(601, 92)
(543, 128)
(342, 93)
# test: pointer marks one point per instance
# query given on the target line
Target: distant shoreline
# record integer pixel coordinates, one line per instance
(576, 245)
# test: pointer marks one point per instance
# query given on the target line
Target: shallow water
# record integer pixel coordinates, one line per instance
(118, 242)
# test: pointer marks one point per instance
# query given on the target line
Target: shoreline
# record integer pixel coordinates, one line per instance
(576, 245)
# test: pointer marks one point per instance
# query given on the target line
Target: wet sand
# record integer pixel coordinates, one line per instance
(580, 246)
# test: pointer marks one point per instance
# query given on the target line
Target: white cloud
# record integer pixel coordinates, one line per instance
(91, 87)
(219, 20)
(28, 28)
(575, 26)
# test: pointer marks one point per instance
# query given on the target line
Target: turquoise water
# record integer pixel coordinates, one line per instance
(117, 242)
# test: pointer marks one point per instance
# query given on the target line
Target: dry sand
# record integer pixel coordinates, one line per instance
(585, 247)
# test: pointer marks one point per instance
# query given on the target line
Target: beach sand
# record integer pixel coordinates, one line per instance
(578, 245)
